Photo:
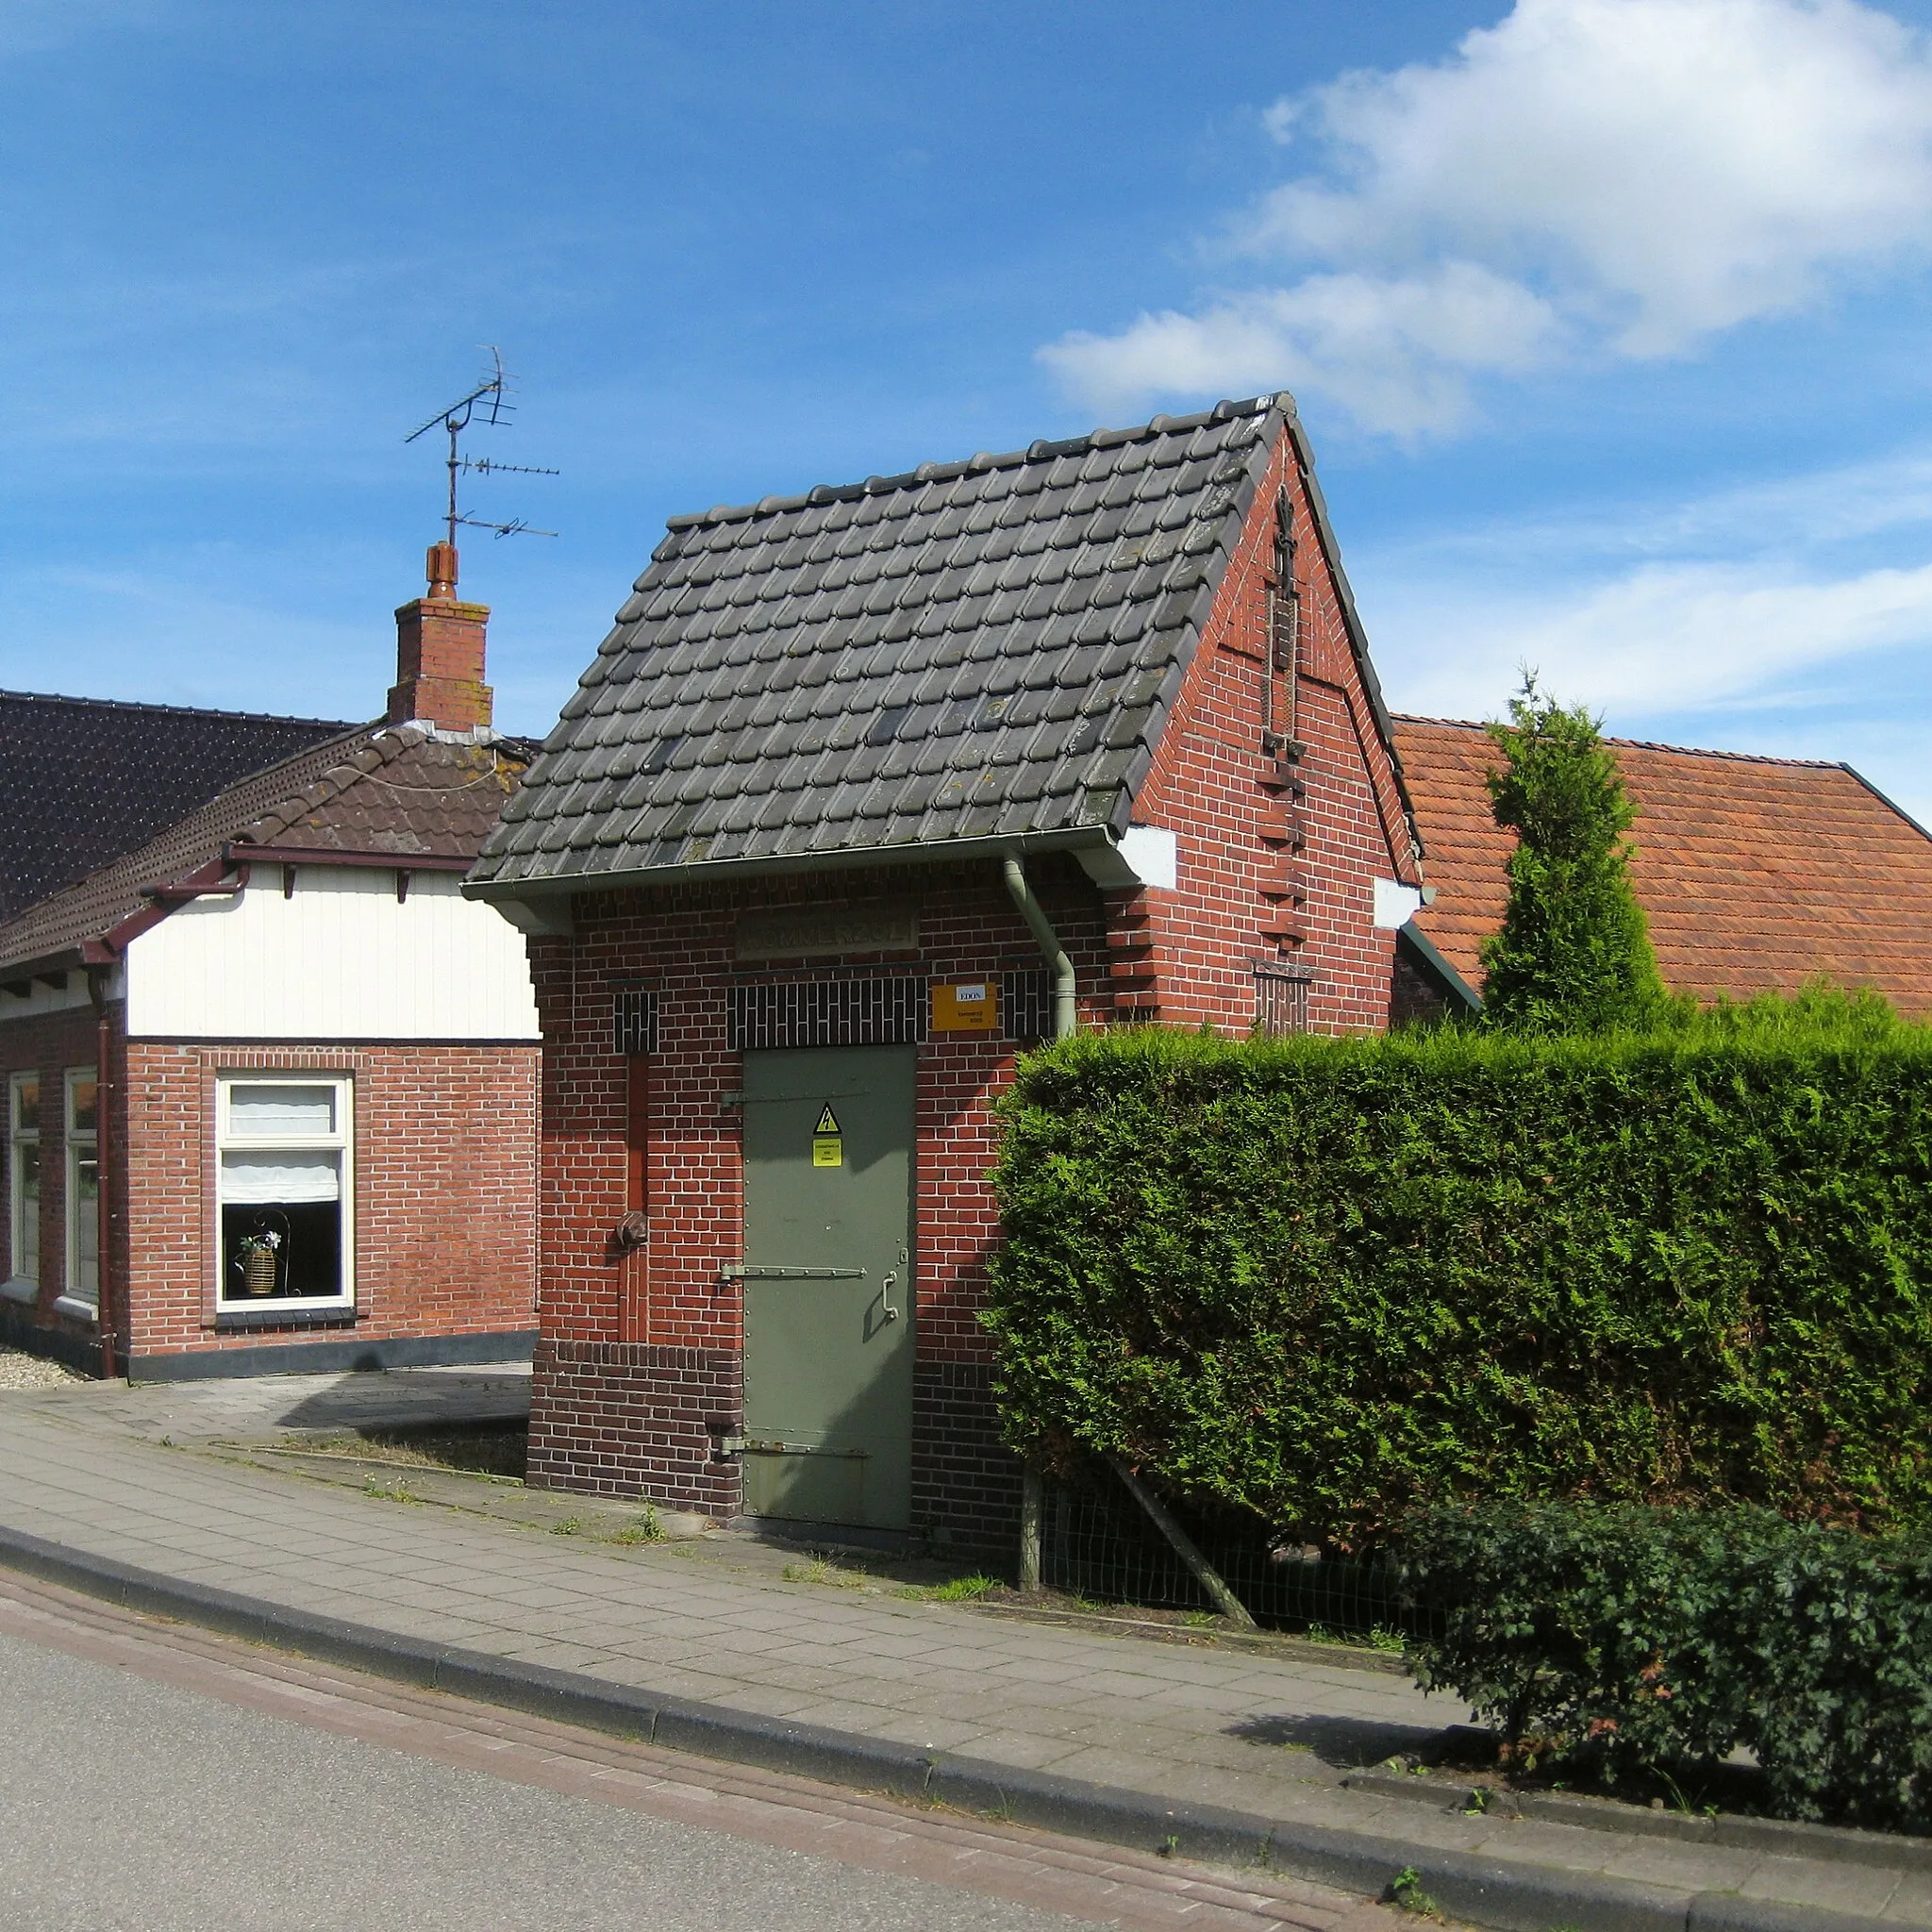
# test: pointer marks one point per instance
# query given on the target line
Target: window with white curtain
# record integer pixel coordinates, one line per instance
(23, 1175)
(82, 1137)
(285, 1185)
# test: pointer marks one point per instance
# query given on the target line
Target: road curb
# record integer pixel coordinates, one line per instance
(1481, 1891)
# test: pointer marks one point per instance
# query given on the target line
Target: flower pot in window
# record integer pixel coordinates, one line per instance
(258, 1271)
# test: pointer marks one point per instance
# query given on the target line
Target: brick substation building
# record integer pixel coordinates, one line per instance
(868, 790)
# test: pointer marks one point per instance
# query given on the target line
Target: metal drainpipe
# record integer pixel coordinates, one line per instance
(103, 1153)
(1066, 1011)
(1066, 1022)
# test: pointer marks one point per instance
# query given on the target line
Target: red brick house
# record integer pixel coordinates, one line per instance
(268, 1080)
(1755, 874)
(868, 789)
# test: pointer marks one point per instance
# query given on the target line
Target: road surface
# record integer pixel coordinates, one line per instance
(161, 1779)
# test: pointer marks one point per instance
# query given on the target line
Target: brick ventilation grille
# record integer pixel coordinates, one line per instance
(1026, 1008)
(634, 1021)
(829, 1012)
(1281, 1000)
(855, 1012)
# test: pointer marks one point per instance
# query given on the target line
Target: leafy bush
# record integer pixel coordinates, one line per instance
(1574, 952)
(1326, 1280)
(1666, 1639)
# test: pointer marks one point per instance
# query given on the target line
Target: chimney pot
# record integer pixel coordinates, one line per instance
(440, 569)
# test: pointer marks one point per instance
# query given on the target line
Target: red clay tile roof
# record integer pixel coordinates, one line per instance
(1756, 874)
(380, 789)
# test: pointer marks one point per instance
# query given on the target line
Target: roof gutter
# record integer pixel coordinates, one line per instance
(938, 852)
(240, 851)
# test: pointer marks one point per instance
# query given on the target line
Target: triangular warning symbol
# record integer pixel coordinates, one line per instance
(828, 1123)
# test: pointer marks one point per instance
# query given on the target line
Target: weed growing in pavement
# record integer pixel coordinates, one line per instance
(647, 1528)
(1380, 1637)
(388, 1492)
(1170, 1845)
(570, 1526)
(1405, 1892)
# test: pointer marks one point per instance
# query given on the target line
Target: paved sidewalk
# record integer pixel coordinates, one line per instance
(84, 1469)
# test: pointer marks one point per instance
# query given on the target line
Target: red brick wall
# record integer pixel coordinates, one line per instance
(1211, 784)
(622, 1419)
(445, 1196)
(680, 940)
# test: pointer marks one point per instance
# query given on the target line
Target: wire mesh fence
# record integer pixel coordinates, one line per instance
(1097, 1543)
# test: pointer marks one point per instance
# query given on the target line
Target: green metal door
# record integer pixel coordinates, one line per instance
(828, 1284)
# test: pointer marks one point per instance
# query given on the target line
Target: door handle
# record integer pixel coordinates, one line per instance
(891, 1314)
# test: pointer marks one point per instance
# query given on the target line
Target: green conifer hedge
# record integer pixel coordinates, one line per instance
(1328, 1280)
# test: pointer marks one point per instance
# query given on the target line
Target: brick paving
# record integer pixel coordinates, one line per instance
(719, 1622)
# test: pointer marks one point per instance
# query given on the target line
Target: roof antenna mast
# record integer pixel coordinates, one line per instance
(485, 406)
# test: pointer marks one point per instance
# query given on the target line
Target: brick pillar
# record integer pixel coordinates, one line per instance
(439, 654)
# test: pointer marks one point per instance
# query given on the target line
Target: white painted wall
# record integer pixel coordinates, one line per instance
(339, 960)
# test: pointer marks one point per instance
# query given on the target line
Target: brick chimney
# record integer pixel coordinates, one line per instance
(439, 654)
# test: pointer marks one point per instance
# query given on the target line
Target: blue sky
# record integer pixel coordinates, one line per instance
(1609, 318)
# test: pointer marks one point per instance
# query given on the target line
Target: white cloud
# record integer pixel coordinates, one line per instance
(1663, 638)
(1650, 171)
(1394, 352)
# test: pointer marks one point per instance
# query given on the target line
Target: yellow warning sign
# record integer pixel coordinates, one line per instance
(829, 1122)
(827, 1150)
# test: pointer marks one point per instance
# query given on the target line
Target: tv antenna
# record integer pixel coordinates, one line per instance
(485, 407)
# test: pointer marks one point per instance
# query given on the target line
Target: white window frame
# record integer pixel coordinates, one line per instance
(75, 1298)
(19, 1276)
(230, 1139)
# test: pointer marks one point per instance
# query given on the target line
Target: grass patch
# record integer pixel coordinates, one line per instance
(958, 1590)
(483, 1449)
(491, 1449)
(818, 1571)
(646, 1529)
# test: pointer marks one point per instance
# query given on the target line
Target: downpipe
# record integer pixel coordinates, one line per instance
(1066, 1009)
(105, 1151)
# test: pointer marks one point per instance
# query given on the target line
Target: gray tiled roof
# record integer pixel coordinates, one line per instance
(983, 650)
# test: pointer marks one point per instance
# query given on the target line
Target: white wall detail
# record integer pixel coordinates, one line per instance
(1146, 856)
(1154, 854)
(340, 960)
(1396, 904)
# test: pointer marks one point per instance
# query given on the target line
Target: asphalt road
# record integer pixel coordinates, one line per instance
(147, 1806)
